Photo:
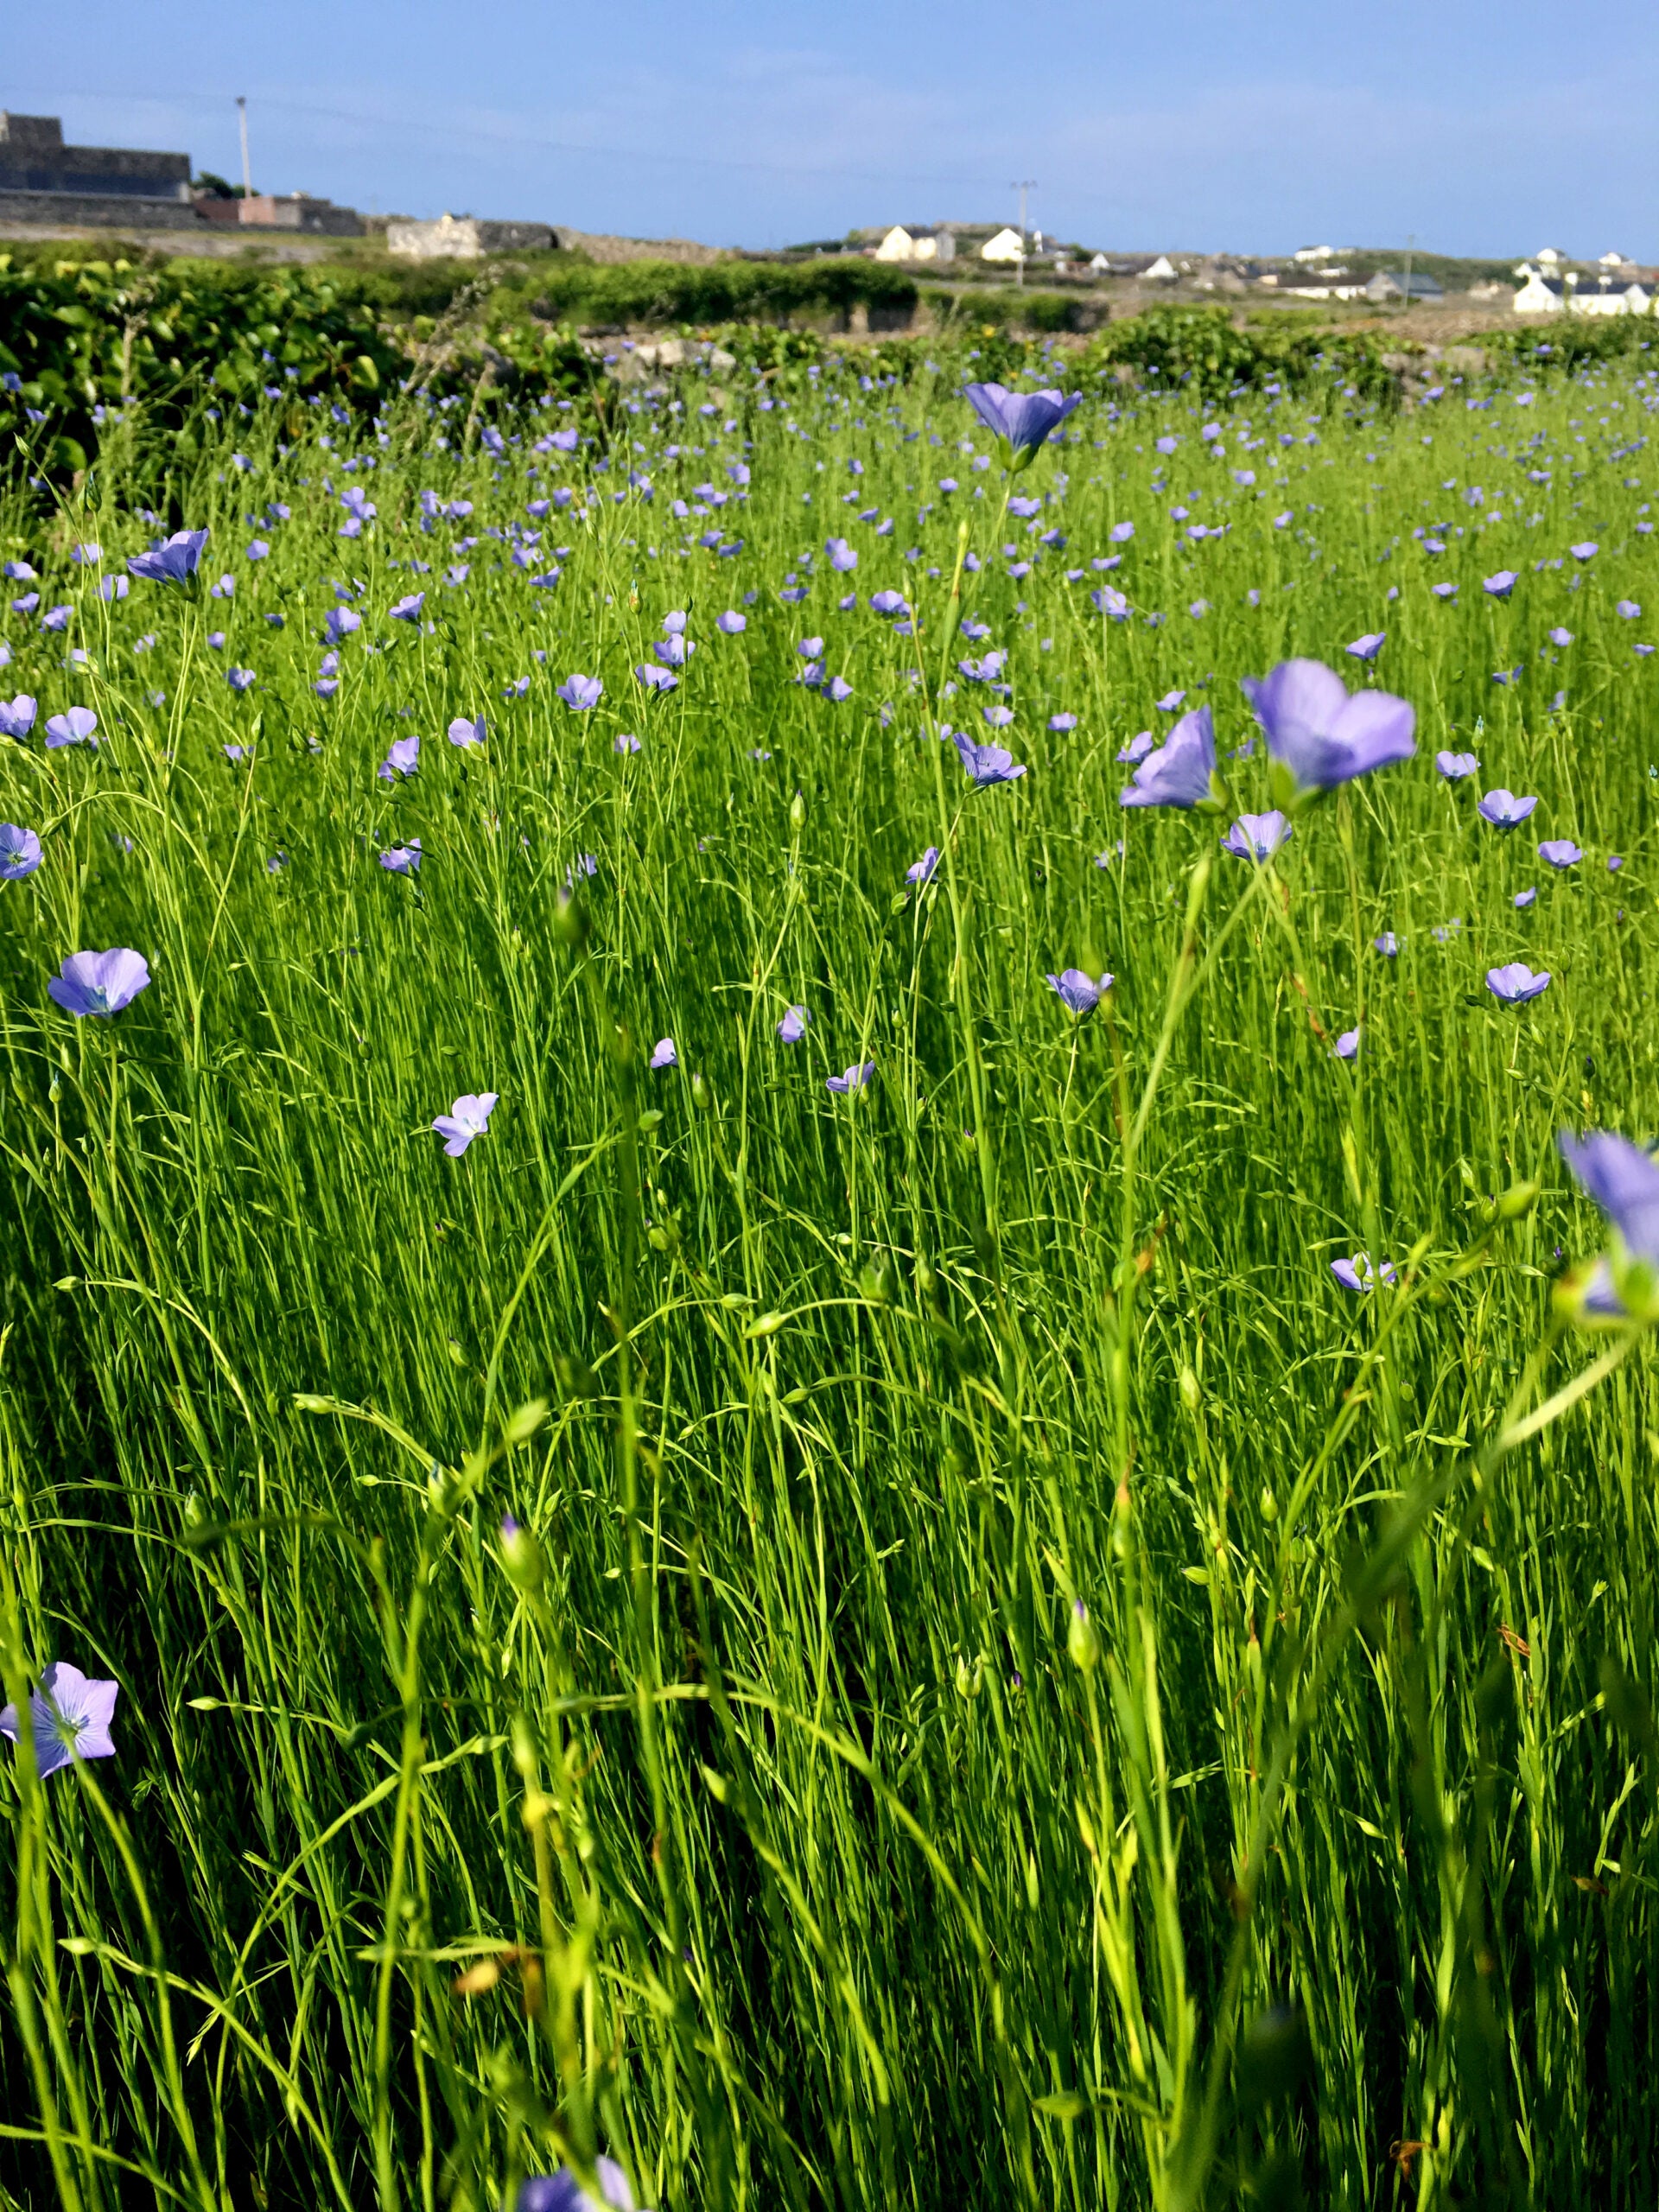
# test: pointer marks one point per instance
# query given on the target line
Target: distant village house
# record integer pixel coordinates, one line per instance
(932, 242)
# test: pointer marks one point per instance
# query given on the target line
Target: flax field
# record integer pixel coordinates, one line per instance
(883, 1574)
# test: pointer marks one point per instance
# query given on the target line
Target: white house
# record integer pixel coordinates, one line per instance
(1550, 256)
(1162, 271)
(1099, 263)
(1306, 253)
(1546, 294)
(932, 244)
(1613, 261)
(1006, 246)
(1607, 298)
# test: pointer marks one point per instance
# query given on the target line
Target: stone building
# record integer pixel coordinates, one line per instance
(43, 181)
(463, 238)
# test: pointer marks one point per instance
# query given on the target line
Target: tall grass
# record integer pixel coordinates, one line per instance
(1011, 1686)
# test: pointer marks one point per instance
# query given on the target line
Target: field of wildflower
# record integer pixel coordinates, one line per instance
(825, 1374)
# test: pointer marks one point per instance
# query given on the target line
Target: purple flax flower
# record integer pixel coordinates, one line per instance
(1444, 591)
(340, 621)
(810, 648)
(1020, 420)
(836, 690)
(986, 764)
(626, 743)
(1324, 735)
(1368, 647)
(1388, 945)
(172, 562)
(403, 860)
(998, 717)
(1111, 602)
(1586, 552)
(1515, 983)
(465, 733)
(114, 587)
(1256, 836)
(1358, 1274)
(732, 622)
(98, 982)
(1062, 721)
(660, 680)
(1615, 861)
(1454, 766)
(1170, 701)
(579, 693)
(1628, 609)
(1179, 773)
(1078, 991)
(258, 549)
(1347, 1046)
(1501, 585)
(792, 1028)
(467, 1118)
(1528, 897)
(887, 602)
(18, 718)
(1561, 638)
(664, 1054)
(855, 1079)
(1623, 1180)
(1121, 532)
(69, 1717)
(56, 618)
(1504, 810)
(841, 555)
(407, 609)
(20, 852)
(74, 727)
(402, 760)
(921, 871)
(563, 2192)
(240, 679)
(1560, 852)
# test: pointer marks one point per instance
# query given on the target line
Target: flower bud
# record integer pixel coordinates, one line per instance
(1189, 1390)
(1081, 1641)
(521, 1555)
(1518, 1200)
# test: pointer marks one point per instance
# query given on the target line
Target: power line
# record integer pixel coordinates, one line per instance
(587, 150)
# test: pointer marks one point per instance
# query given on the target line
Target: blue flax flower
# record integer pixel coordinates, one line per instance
(467, 1118)
(173, 563)
(1324, 735)
(69, 1717)
(855, 1078)
(1515, 983)
(1077, 990)
(1623, 1180)
(1020, 420)
(986, 764)
(20, 852)
(1256, 836)
(1504, 810)
(792, 1028)
(98, 982)
(1179, 773)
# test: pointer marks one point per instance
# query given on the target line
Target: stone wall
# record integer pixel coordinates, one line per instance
(97, 211)
(33, 158)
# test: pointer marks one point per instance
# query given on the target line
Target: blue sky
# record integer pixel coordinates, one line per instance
(1480, 128)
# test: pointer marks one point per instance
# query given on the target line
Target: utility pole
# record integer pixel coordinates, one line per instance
(1022, 186)
(1411, 241)
(242, 119)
